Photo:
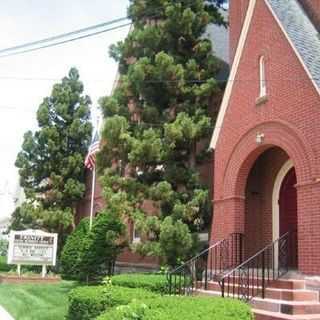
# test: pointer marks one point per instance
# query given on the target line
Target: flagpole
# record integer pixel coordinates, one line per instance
(92, 195)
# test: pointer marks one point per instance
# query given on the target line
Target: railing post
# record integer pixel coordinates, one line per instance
(206, 277)
(263, 274)
(170, 283)
(222, 288)
(240, 248)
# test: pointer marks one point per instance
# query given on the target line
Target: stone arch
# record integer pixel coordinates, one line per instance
(247, 150)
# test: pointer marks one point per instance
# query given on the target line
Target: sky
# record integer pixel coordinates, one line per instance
(23, 21)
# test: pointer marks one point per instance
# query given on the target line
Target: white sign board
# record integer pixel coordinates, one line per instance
(34, 247)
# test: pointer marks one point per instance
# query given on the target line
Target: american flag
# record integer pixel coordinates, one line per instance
(90, 160)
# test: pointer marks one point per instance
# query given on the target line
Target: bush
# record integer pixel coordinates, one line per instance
(4, 267)
(86, 303)
(4, 244)
(153, 282)
(181, 308)
(73, 250)
(102, 245)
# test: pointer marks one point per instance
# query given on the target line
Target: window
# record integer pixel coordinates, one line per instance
(263, 84)
(135, 235)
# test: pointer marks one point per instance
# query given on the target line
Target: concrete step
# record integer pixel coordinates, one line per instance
(292, 295)
(267, 315)
(274, 288)
(286, 307)
(275, 294)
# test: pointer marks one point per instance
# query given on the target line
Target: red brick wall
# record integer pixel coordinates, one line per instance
(288, 119)
(237, 13)
(312, 7)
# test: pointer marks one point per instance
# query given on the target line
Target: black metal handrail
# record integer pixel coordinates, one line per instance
(251, 278)
(207, 266)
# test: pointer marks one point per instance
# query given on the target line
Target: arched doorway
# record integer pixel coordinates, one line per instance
(288, 203)
(262, 191)
(288, 220)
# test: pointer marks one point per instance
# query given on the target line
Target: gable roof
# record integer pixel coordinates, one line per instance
(302, 33)
(302, 36)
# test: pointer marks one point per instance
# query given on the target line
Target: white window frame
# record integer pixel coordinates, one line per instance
(135, 238)
(262, 77)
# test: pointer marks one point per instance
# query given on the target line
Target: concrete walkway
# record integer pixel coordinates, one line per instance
(4, 315)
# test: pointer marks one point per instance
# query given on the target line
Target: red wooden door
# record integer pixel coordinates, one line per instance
(288, 211)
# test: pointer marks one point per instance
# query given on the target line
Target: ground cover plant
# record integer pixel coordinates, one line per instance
(142, 297)
(154, 282)
(36, 301)
(181, 308)
(88, 302)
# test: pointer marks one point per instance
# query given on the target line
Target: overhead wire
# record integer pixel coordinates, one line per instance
(15, 78)
(63, 35)
(20, 49)
(64, 41)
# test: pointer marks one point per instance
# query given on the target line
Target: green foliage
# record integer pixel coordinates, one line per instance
(158, 124)
(4, 244)
(36, 216)
(4, 267)
(51, 160)
(101, 246)
(181, 308)
(86, 303)
(87, 254)
(71, 256)
(153, 282)
(175, 240)
(133, 311)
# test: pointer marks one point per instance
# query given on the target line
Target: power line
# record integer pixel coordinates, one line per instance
(65, 41)
(63, 35)
(15, 78)
(12, 50)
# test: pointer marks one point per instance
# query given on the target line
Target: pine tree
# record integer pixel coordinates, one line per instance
(51, 160)
(159, 120)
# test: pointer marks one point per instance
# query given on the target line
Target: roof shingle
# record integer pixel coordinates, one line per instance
(301, 32)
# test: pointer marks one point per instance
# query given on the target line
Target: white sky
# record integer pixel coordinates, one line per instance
(23, 21)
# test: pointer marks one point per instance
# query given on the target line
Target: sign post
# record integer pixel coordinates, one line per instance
(32, 247)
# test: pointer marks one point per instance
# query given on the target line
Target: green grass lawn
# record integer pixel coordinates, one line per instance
(36, 301)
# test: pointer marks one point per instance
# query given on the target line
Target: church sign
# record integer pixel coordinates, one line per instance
(32, 247)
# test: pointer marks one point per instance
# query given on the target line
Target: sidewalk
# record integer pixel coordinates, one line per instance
(4, 315)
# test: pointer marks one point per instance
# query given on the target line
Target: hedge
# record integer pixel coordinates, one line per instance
(181, 308)
(153, 282)
(86, 303)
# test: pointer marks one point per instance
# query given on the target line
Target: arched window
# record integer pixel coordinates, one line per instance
(263, 84)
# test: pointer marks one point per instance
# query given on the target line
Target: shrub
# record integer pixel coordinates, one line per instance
(181, 308)
(132, 311)
(102, 245)
(153, 282)
(4, 247)
(4, 267)
(73, 250)
(86, 303)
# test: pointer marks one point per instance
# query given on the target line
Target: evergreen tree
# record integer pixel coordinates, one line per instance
(51, 160)
(159, 120)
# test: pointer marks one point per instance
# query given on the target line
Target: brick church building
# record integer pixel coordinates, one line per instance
(267, 137)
